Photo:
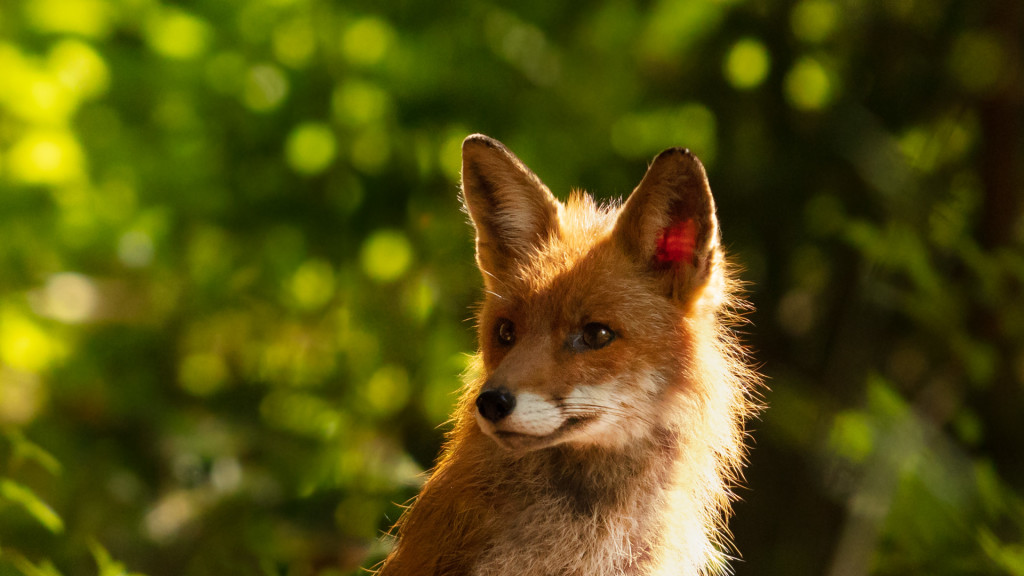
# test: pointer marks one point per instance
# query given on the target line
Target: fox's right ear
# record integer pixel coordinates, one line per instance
(512, 210)
(668, 224)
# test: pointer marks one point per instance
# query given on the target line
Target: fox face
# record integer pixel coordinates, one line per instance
(590, 311)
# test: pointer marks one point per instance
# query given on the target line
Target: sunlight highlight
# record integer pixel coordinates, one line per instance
(46, 157)
(22, 397)
(79, 67)
(386, 255)
(366, 41)
(747, 64)
(294, 42)
(360, 103)
(814, 20)
(26, 346)
(312, 286)
(70, 298)
(266, 88)
(808, 85)
(176, 34)
(388, 390)
(91, 18)
(202, 374)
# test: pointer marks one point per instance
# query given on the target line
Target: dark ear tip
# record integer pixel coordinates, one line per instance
(680, 160)
(480, 141)
(680, 155)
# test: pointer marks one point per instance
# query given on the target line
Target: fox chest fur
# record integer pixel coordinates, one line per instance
(603, 427)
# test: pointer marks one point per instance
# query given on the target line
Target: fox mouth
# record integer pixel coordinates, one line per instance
(522, 441)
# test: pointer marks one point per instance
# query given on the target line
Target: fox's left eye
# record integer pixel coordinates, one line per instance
(596, 335)
(506, 332)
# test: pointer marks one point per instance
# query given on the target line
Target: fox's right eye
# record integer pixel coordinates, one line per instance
(596, 335)
(506, 332)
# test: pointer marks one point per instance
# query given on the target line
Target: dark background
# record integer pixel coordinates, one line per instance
(236, 284)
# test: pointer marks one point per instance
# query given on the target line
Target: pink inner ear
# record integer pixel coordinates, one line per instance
(677, 242)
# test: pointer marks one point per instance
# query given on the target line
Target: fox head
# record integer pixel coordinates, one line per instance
(591, 327)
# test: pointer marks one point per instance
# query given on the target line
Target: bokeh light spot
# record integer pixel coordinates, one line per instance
(421, 298)
(35, 94)
(170, 514)
(14, 66)
(386, 255)
(366, 41)
(70, 297)
(310, 148)
(22, 396)
(977, 61)
(294, 42)
(814, 20)
(358, 103)
(808, 85)
(24, 345)
(202, 374)
(266, 87)
(174, 33)
(371, 150)
(80, 68)
(388, 390)
(312, 285)
(135, 249)
(90, 18)
(46, 157)
(747, 64)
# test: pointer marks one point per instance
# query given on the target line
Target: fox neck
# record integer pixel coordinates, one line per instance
(596, 481)
(642, 510)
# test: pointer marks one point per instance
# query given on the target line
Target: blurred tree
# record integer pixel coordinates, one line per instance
(234, 276)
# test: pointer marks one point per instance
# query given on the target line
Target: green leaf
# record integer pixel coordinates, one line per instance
(24, 449)
(23, 496)
(26, 567)
(853, 435)
(106, 565)
(1009, 557)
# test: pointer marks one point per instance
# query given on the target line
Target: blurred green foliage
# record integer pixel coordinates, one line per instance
(235, 279)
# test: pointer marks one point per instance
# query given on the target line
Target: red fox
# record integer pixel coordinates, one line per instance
(604, 429)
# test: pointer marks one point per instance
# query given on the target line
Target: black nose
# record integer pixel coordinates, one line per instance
(495, 404)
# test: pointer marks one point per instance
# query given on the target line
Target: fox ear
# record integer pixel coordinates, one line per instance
(512, 210)
(668, 223)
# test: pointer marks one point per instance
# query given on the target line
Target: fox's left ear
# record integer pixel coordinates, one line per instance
(668, 223)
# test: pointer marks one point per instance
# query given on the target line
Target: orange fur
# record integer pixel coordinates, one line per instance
(616, 457)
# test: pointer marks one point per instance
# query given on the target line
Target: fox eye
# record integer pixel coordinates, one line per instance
(506, 332)
(596, 335)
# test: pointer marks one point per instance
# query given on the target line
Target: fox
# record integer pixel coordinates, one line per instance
(602, 429)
